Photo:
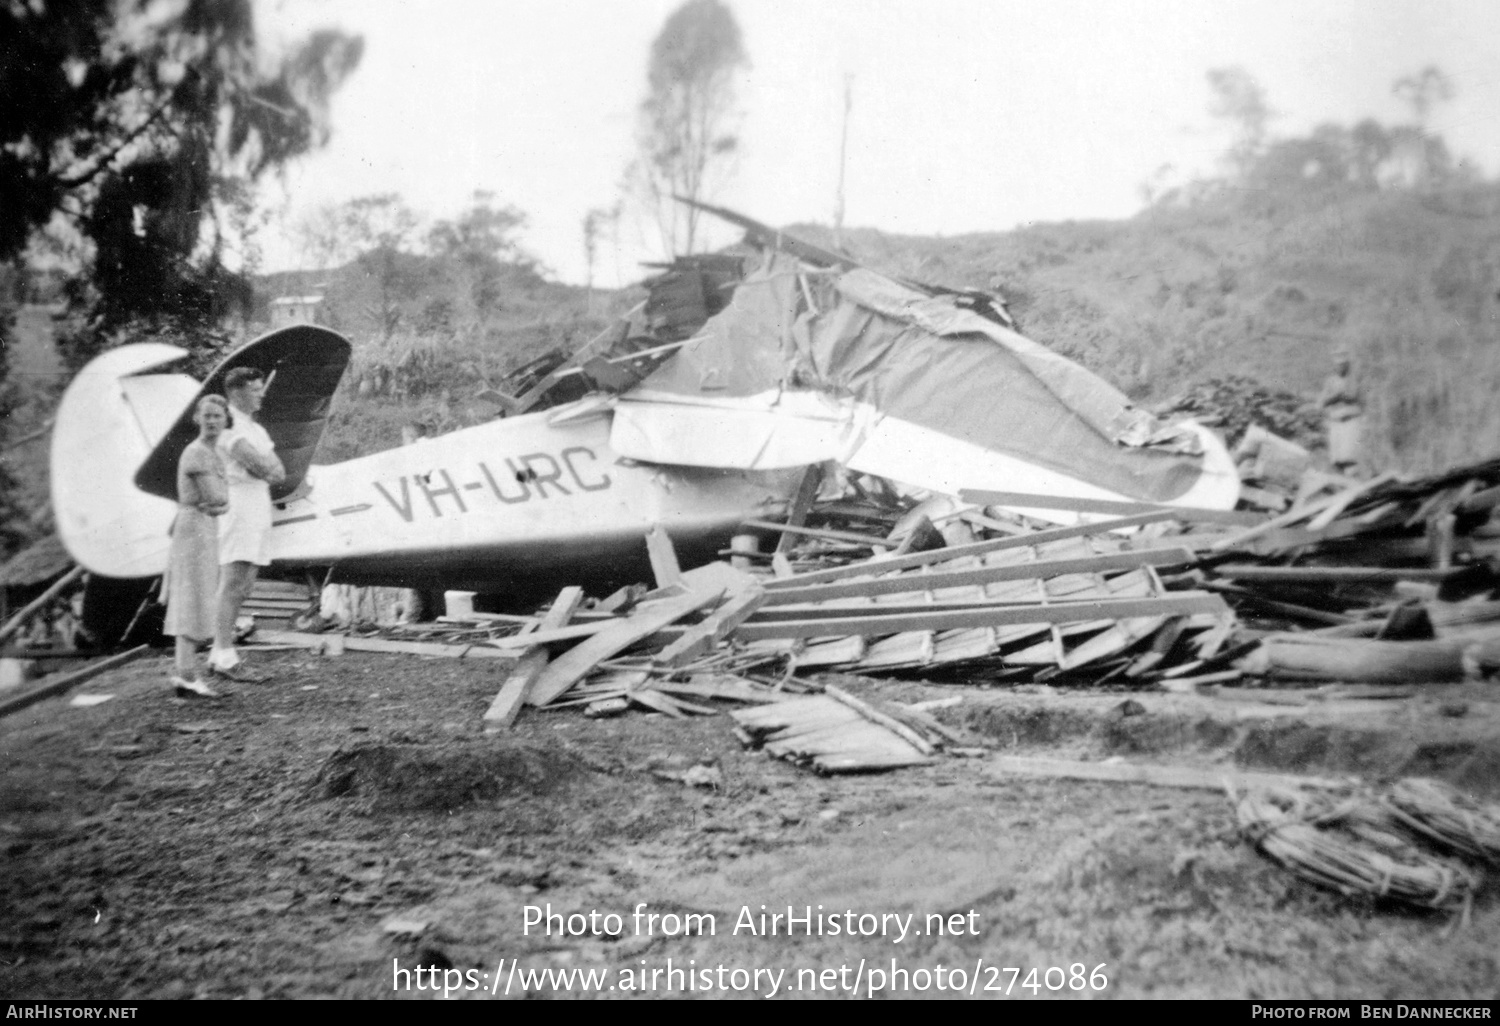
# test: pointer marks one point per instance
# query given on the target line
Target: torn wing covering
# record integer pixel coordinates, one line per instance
(800, 369)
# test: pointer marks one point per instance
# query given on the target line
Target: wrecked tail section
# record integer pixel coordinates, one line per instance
(109, 420)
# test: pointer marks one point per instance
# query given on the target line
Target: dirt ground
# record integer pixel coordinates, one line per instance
(321, 834)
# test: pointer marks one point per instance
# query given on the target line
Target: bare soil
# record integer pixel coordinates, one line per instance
(308, 837)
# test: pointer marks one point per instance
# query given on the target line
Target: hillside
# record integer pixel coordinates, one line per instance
(428, 337)
(1407, 281)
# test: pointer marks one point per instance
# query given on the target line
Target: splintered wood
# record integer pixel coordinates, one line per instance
(828, 735)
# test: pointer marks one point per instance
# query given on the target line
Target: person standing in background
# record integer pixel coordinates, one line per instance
(251, 466)
(1343, 413)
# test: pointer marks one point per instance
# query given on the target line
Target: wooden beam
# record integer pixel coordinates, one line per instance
(56, 687)
(664, 565)
(1297, 514)
(385, 646)
(592, 347)
(57, 588)
(817, 532)
(571, 667)
(1309, 657)
(512, 694)
(1032, 500)
(934, 580)
(1274, 606)
(572, 632)
(1155, 776)
(1053, 612)
(1334, 574)
(1343, 500)
(1481, 501)
(875, 716)
(807, 490)
(960, 551)
(701, 639)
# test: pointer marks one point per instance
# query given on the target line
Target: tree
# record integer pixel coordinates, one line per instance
(598, 224)
(686, 132)
(378, 231)
(1240, 100)
(136, 122)
(480, 242)
(1423, 91)
(1425, 154)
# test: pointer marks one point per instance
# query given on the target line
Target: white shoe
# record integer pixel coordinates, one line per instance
(223, 659)
(192, 688)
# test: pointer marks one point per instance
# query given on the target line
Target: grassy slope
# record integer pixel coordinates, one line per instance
(1407, 281)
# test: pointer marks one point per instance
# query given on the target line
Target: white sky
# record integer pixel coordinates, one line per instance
(968, 115)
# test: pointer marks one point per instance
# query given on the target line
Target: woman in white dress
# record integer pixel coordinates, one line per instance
(192, 580)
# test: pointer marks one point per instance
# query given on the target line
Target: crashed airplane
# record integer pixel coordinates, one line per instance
(698, 412)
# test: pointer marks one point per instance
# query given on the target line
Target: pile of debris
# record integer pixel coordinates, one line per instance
(1384, 581)
(1234, 403)
(1381, 581)
(1417, 841)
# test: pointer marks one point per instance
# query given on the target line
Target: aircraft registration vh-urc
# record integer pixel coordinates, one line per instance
(796, 356)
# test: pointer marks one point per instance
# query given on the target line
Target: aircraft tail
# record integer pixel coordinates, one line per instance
(110, 418)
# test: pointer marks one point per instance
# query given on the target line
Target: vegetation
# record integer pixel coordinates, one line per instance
(132, 133)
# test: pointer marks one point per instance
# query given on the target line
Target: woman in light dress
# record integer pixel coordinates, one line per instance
(191, 584)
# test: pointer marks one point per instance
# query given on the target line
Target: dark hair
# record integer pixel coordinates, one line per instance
(242, 376)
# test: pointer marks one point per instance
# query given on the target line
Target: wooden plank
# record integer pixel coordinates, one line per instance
(1061, 612)
(1343, 500)
(729, 688)
(875, 716)
(664, 566)
(57, 588)
(807, 490)
(303, 639)
(595, 346)
(1112, 641)
(1031, 500)
(571, 667)
(1308, 657)
(56, 687)
(719, 576)
(917, 559)
(1481, 501)
(701, 639)
(1155, 776)
(512, 695)
(1275, 606)
(1293, 516)
(1334, 574)
(817, 532)
(572, 632)
(660, 703)
(843, 608)
(931, 580)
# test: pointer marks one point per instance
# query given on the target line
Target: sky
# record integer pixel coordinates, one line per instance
(967, 115)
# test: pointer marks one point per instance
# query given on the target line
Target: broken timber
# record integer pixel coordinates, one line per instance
(827, 733)
(571, 667)
(68, 680)
(1000, 616)
(529, 666)
(1029, 500)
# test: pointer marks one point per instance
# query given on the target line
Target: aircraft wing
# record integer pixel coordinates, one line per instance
(850, 365)
(303, 364)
